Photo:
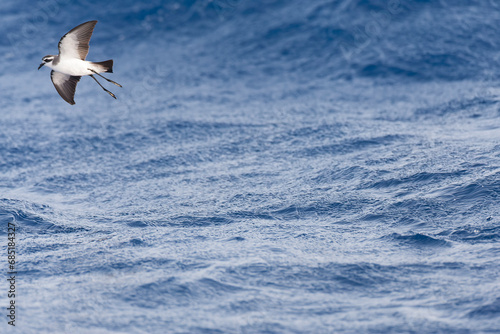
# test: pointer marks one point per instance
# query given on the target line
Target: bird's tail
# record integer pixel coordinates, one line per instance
(105, 66)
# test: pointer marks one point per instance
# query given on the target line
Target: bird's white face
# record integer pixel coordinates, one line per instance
(47, 60)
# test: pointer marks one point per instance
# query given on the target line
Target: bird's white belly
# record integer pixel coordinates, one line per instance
(74, 67)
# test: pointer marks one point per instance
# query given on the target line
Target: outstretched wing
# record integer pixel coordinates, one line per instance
(65, 85)
(75, 44)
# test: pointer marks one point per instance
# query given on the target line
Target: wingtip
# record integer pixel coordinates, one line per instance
(93, 22)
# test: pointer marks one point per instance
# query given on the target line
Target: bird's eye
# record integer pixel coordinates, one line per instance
(46, 60)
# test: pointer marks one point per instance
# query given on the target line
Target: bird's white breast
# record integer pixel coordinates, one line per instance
(72, 66)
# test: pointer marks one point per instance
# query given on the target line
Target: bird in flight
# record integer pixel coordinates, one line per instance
(70, 65)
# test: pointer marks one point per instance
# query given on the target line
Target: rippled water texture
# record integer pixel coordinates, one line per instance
(268, 167)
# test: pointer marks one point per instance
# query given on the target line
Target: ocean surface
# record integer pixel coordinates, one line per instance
(324, 166)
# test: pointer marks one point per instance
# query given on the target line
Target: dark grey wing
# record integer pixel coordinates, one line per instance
(65, 85)
(75, 44)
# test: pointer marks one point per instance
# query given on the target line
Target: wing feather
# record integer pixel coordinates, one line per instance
(65, 85)
(75, 44)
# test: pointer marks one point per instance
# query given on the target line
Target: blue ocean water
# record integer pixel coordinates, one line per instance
(269, 166)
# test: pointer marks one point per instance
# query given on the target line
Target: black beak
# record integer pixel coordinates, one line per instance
(39, 67)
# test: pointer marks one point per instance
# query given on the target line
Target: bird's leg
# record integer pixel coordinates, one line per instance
(107, 91)
(109, 80)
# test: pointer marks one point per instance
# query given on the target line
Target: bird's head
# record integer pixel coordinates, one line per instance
(46, 60)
